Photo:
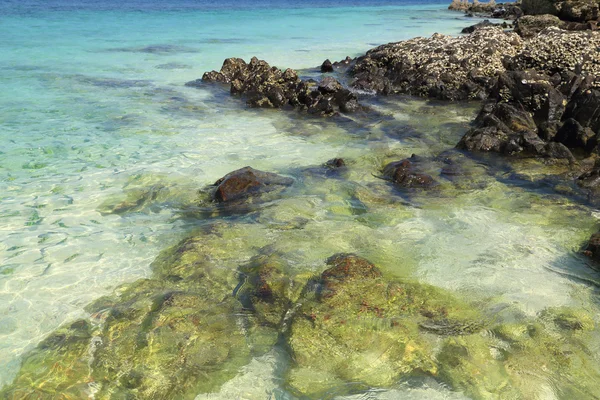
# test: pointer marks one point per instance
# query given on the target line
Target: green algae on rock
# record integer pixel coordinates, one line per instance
(356, 326)
(521, 359)
(173, 336)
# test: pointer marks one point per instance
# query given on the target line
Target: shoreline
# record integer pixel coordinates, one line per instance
(405, 176)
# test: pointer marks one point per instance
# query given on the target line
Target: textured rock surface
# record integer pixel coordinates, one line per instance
(443, 67)
(555, 50)
(173, 336)
(269, 87)
(368, 328)
(530, 25)
(248, 182)
(405, 175)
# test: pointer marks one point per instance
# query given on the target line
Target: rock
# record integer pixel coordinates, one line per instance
(248, 182)
(554, 50)
(152, 340)
(504, 128)
(491, 9)
(483, 24)
(327, 66)
(584, 107)
(335, 163)
(404, 174)
(593, 248)
(353, 315)
(268, 87)
(443, 67)
(329, 85)
(539, 7)
(530, 25)
(578, 10)
(573, 135)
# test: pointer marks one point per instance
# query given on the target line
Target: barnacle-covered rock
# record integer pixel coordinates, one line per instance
(443, 67)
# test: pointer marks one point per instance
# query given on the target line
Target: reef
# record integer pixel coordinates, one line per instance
(194, 324)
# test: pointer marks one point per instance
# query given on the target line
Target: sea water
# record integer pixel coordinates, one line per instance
(94, 113)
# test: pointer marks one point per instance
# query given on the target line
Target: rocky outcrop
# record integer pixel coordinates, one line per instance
(491, 8)
(269, 87)
(483, 24)
(327, 66)
(248, 182)
(547, 103)
(442, 67)
(555, 50)
(530, 25)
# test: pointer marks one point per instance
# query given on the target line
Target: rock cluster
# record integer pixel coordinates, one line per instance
(491, 8)
(547, 112)
(269, 87)
(442, 67)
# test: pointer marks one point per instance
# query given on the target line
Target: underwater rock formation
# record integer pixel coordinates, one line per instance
(355, 326)
(194, 324)
(269, 87)
(175, 335)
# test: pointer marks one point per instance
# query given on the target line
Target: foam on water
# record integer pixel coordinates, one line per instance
(94, 107)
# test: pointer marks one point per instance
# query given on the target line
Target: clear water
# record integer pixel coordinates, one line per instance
(94, 108)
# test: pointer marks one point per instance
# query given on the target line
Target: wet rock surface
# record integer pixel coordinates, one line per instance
(194, 324)
(268, 87)
(246, 183)
(336, 320)
(175, 335)
(404, 174)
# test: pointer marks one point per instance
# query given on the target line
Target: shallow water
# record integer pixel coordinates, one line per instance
(95, 115)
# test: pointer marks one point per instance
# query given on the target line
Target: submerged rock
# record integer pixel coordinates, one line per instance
(269, 87)
(248, 182)
(355, 329)
(172, 336)
(404, 174)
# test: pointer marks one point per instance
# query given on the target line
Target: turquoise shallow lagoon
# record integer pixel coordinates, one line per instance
(94, 113)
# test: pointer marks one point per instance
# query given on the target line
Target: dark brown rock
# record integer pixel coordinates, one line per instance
(248, 182)
(593, 248)
(327, 66)
(404, 174)
(268, 87)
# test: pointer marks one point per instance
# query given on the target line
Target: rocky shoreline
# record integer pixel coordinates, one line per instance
(197, 316)
(540, 83)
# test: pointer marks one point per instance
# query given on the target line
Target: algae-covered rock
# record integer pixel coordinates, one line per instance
(58, 368)
(266, 288)
(170, 337)
(525, 359)
(356, 326)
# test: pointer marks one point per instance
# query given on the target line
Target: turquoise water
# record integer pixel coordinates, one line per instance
(94, 109)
